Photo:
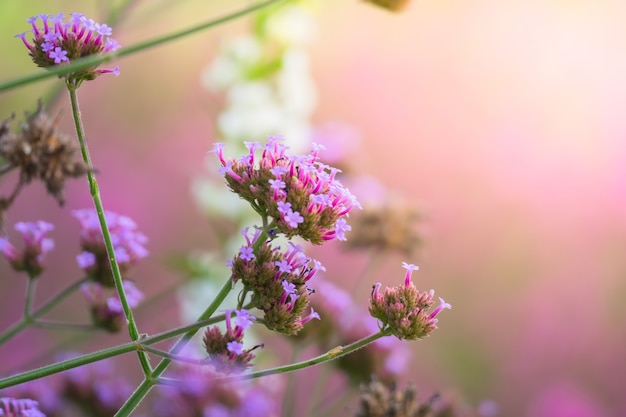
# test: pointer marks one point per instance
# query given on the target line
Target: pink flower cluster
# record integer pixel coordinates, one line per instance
(226, 352)
(404, 310)
(36, 245)
(107, 312)
(56, 42)
(277, 280)
(128, 244)
(299, 192)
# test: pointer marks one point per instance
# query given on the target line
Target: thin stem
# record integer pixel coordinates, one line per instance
(321, 382)
(27, 321)
(289, 397)
(147, 384)
(47, 324)
(95, 60)
(173, 357)
(332, 354)
(30, 295)
(66, 365)
(95, 194)
(105, 353)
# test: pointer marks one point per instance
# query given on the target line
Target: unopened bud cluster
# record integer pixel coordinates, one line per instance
(277, 280)
(226, 351)
(404, 310)
(299, 192)
(56, 42)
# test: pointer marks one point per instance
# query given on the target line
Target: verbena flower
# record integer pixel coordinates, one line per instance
(41, 151)
(404, 310)
(11, 407)
(277, 280)
(98, 387)
(198, 392)
(300, 193)
(107, 312)
(128, 244)
(387, 357)
(56, 42)
(36, 245)
(225, 350)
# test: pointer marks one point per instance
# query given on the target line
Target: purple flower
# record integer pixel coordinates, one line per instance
(404, 310)
(299, 192)
(12, 407)
(36, 245)
(55, 42)
(107, 312)
(128, 244)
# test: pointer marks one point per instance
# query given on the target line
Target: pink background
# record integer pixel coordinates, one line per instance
(501, 120)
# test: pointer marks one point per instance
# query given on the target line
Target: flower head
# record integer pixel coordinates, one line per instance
(300, 193)
(128, 244)
(226, 351)
(11, 407)
(36, 245)
(56, 42)
(107, 312)
(277, 280)
(404, 310)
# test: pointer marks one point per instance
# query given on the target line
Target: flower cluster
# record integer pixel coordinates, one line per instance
(277, 280)
(11, 407)
(107, 312)
(36, 245)
(226, 352)
(128, 244)
(387, 358)
(404, 310)
(56, 42)
(96, 390)
(41, 151)
(299, 192)
(198, 392)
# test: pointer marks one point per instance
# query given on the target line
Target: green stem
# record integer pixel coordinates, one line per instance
(95, 194)
(27, 321)
(104, 353)
(149, 381)
(289, 396)
(30, 295)
(95, 60)
(332, 354)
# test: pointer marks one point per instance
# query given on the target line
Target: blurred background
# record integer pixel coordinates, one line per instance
(499, 122)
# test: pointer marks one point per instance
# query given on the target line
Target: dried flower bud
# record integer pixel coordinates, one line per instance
(392, 5)
(388, 227)
(40, 151)
(404, 310)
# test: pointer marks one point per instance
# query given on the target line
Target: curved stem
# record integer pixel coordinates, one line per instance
(332, 354)
(27, 321)
(95, 194)
(95, 60)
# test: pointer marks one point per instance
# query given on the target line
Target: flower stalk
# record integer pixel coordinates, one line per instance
(72, 87)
